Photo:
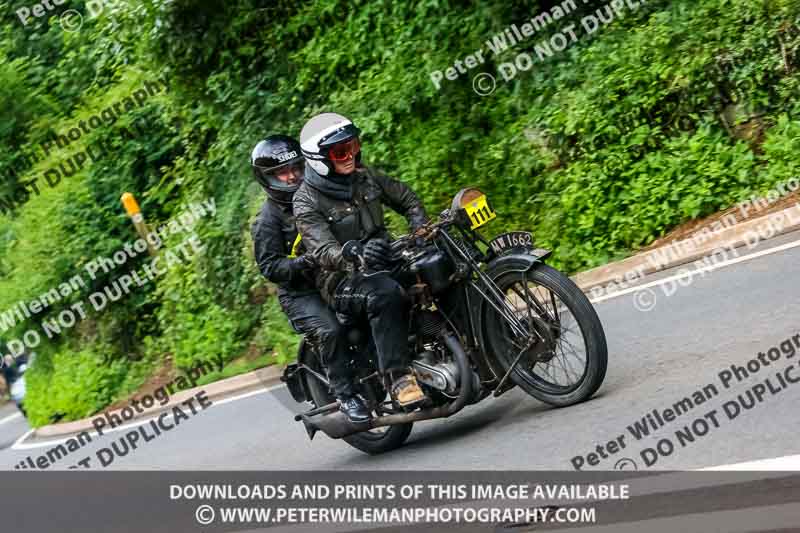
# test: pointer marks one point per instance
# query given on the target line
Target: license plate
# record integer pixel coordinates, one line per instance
(513, 239)
(479, 212)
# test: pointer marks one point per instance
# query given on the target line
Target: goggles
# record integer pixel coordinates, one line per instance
(344, 150)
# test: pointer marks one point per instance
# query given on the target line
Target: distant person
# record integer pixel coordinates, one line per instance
(11, 366)
(8, 371)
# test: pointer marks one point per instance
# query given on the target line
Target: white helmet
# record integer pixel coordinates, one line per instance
(320, 134)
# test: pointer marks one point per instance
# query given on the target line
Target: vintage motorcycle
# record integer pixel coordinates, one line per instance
(486, 316)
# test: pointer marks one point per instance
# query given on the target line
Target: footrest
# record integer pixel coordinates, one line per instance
(318, 411)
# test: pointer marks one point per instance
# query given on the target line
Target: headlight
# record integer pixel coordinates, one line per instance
(476, 206)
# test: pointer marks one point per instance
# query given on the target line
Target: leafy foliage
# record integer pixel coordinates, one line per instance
(671, 112)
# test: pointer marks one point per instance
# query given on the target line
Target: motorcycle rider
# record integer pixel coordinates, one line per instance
(342, 200)
(278, 167)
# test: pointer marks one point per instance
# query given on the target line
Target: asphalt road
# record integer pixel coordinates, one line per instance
(657, 357)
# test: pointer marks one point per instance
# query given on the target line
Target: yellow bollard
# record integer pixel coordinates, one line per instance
(135, 212)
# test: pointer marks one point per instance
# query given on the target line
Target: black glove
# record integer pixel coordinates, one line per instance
(303, 263)
(417, 218)
(377, 254)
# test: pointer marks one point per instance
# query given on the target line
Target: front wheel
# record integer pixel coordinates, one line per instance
(563, 361)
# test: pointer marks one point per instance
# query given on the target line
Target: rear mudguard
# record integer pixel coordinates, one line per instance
(295, 377)
(497, 267)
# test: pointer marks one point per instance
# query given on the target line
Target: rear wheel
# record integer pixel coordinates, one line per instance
(374, 441)
(564, 362)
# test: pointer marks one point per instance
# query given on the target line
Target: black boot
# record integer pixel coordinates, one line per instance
(354, 409)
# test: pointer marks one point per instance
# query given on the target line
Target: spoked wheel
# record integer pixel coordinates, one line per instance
(563, 356)
(373, 441)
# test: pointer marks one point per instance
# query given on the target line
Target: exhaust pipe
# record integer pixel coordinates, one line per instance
(336, 425)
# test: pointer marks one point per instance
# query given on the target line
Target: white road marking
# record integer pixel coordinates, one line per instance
(691, 273)
(773, 517)
(9, 418)
(22, 438)
(786, 463)
(248, 394)
(668, 481)
(20, 443)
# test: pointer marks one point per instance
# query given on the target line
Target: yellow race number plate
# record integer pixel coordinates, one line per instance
(479, 211)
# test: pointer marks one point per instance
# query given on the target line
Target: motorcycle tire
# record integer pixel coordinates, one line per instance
(590, 327)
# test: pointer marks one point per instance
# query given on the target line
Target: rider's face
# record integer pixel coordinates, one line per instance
(290, 175)
(343, 156)
(344, 167)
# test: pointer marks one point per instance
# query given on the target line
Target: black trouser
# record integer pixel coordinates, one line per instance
(383, 302)
(311, 316)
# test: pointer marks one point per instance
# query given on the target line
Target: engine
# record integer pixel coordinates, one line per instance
(440, 376)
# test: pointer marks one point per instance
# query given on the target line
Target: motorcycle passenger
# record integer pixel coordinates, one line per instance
(341, 200)
(278, 167)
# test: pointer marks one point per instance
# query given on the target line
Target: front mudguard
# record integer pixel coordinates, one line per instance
(503, 264)
(516, 261)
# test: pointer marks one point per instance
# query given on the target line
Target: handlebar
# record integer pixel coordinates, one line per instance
(352, 251)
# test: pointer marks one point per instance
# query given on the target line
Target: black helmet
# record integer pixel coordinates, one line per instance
(274, 153)
(320, 134)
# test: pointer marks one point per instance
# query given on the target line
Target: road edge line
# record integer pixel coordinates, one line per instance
(641, 264)
(262, 379)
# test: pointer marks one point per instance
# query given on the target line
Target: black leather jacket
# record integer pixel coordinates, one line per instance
(328, 214)
(274, 234)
